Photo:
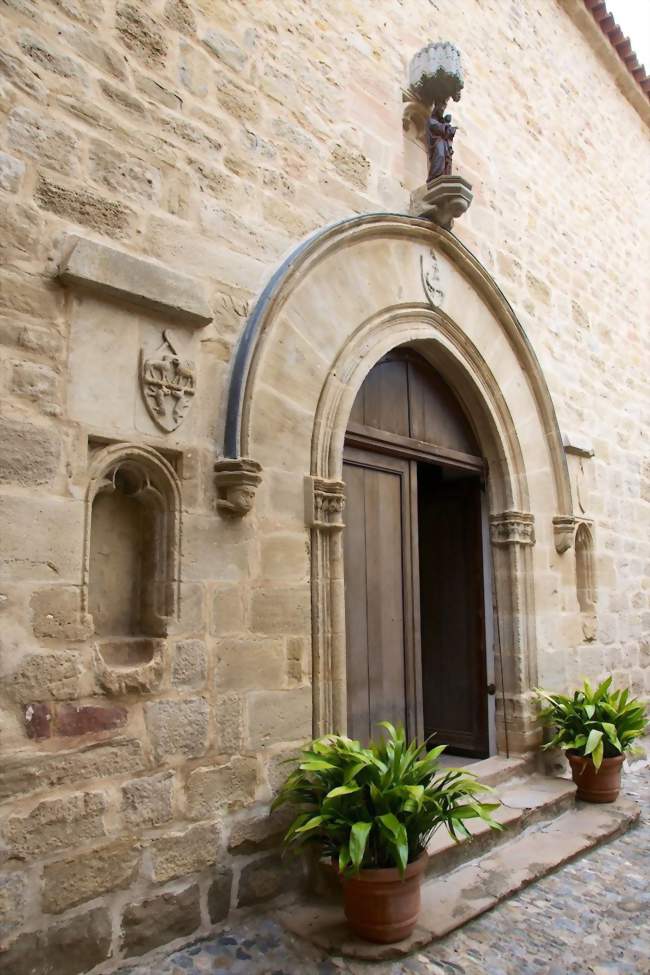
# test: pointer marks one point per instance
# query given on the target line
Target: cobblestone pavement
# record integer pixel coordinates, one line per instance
(591, 917)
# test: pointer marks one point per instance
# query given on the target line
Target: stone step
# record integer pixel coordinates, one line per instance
(452, 900)
(537, 798)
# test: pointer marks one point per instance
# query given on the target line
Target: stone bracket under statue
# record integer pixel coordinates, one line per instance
(435, 76)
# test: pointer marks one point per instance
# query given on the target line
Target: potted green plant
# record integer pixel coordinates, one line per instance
(595, 728)
(372, 812)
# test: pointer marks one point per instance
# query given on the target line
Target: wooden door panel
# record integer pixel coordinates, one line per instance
(378, 610)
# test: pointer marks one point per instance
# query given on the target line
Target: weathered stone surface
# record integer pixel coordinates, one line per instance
(249, 662)
(225, 49)
(178, 727)
(24, 556)
(255, 834)
(219, 896)
(224, 786)
(42, 676)
(141, 33)
(50, 58)
(275, 716)
(190, 664)
(228, 611)
(11, 172)
(267, 877)
(281, 610)
(34, 135)
(160, 919)
(178, 854)
(29, 455)
(30, 773)
(72, 947)
(148, 801)
(107, 271)
(78, 879)
(38, 383)
(122, 173)
(56, 614)
(13, 890)
(99, 214)
(39, 720)
(56, 824)
(82, 719)
(230, 721)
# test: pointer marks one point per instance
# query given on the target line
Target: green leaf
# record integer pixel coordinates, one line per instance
(311, 824)
(597, 755)
(593, 741)
(358, 840)
(344, 856)
(590, 710)
(342, 790)
(400, 842)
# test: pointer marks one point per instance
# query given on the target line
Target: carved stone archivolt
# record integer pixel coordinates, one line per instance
(512, 528)
(325, 501)
(168, 383)
(237, 481)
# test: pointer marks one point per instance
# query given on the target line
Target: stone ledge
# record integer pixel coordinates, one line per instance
(111, 273)
(455, 898)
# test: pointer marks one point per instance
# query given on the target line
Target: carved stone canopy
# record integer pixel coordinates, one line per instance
(436, 74)
(237, 480)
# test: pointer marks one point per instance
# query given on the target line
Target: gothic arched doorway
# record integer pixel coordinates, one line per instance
(414, 560)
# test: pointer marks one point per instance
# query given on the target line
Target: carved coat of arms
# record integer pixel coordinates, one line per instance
(168, 383)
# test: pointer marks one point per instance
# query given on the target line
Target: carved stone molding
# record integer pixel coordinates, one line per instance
(324, 503)
(564, 529)
(237, 480)
(442, 200)
(512, 528)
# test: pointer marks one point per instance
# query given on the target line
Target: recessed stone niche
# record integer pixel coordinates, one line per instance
(131, 563)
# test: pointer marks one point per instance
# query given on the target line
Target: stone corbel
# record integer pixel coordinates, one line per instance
(512, 528)
(237, 481)
(324, 503)
(564, 529)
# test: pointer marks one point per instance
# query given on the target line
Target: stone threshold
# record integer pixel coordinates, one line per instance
(545, 827)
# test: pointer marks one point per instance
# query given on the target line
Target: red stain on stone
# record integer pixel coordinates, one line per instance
(83, 719)
(38, 720)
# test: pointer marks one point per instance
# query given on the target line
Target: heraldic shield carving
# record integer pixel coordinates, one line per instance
(168, 383)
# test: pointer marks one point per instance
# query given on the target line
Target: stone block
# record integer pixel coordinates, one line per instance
(221, 787)
(38, 383)
(78, 879)
(36, 135)
(228, 614)
(267, 877)
(21, 233)
(159, 920)
(72, 947)
(141, 34)
(109, 272)
(56, 614)
(39, 556)
(102, 215)
(72, 720)
(46, 676)
(179, 16)
(282, 610)
(190, 664)
(29, 455)
(149, 801)
(31, 773)
(249, 664)
(219, 896)
(179, 854)
(122, 173)
(352, 166)
(230, 721)
(178, 727)
(225, 49)
(12, 171)
(285, 554)
(253, 834)
(13, 891)
(50, 58)
(39, 721)
(278, 716)
(278, 768)
(56, 824)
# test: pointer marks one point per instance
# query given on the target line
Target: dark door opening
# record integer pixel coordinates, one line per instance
(414, 589)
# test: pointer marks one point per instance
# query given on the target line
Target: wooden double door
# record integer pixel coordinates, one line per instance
(414, 588)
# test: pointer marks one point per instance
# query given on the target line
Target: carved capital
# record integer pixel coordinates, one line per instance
(324, 503)
(512, 528)
(564, 529)
(237, 480)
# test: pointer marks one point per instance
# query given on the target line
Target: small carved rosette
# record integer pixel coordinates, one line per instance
(168, 383)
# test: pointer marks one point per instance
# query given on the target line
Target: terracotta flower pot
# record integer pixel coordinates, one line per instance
(382, 906)
(602, 785)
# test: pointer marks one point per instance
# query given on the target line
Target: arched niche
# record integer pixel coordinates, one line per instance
(341, 301)
(131, 572)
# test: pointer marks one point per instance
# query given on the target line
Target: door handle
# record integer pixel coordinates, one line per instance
(492, 688)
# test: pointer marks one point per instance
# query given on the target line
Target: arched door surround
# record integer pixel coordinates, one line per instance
(342, 300)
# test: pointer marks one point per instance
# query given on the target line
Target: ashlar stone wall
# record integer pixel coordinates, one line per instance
(208, 137)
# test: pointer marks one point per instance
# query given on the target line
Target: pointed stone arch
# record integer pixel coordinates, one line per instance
(341, 301)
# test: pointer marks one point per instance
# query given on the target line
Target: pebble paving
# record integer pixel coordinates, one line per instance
(591, 917)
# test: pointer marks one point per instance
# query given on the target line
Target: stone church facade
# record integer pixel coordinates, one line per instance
(207, 247)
